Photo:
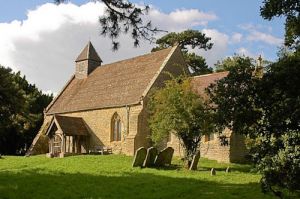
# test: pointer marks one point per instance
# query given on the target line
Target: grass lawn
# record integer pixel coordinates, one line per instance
(111, 176)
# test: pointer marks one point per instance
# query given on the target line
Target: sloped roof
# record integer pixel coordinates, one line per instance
(111, 85)
(201, 82)
(88, 53)
(71, 125)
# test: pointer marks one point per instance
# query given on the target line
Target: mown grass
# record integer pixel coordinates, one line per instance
(111, 176)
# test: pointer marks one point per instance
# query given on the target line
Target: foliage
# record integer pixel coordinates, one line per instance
(229, 62)
(177, 109)
(111, 176)
(21, 111)
(197, 64)
(291, 10)
(125, 17)
(281, 166)
(233, 97)
(267, 110)
(188, 39)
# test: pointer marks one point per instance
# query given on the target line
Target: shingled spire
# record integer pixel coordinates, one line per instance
(87, 61)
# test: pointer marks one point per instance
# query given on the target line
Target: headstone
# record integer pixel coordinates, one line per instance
(164, 157)
(195, 161)
(212, 172)
(228, 169)
(139, 157)
(150, 157)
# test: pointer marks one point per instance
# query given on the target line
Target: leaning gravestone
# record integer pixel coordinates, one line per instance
(139, 157)
(164, 157)
(228, 169)
(195, 161)
(150, 157)
(212, 172)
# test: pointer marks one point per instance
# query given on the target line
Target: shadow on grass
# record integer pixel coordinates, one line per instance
(40, 184)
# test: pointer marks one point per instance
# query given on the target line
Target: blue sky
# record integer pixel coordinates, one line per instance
(235, 26)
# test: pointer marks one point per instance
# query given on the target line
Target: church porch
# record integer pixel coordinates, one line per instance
(67, 136)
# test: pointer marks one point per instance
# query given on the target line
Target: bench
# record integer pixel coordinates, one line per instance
(103, 150)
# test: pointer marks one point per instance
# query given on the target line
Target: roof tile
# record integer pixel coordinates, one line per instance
(111, 85)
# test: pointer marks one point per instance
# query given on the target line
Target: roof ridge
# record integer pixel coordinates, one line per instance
(166, 60)
(136, 57)
(216, 73)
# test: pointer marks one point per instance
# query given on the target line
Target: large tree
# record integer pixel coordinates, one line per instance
(125, 17)
(189, 39)
(291, 10)
(177, 109)
(267, 110)
(21, 111)
(227, 63)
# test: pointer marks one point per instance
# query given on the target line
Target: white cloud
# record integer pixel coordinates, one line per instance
(244, 51)
(261, 33)
(236, 38)
(247, 52)
(264, 37)
(45, 45)
(180, 19)
(220, 45)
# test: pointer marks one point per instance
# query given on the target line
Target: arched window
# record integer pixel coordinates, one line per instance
(116, 128)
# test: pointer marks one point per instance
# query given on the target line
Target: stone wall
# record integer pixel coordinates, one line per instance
(99, 125)
(234, 152)
(238, 150)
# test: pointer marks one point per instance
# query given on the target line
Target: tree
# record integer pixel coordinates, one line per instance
(229, 62)
(232, 97)
(177, 109)
(21, 111)
(125, 17)
(267, 110)
(188, 39)
(291, 10)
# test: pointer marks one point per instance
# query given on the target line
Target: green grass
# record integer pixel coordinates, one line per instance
(111, 176)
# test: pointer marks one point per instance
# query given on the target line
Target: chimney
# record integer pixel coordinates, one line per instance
(87, 61)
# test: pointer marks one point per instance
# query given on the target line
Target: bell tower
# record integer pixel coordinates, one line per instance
(87, 61)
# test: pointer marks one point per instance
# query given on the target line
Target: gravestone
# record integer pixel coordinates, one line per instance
(228, 169)
(139, 157)
(164, 157)
(150, 157)
(195, 161)
(212, 172)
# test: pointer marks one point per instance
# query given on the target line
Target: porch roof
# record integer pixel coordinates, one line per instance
(71, 125)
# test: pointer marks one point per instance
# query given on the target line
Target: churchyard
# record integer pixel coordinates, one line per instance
(112, 176)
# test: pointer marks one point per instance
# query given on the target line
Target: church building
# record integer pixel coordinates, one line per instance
(105, 106)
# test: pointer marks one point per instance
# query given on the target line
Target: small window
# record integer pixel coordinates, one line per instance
(209, 137)
(116, 128)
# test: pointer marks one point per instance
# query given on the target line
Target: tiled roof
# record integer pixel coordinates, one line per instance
(111, 85)
(199, 83)
(71, 125)
(88, 53)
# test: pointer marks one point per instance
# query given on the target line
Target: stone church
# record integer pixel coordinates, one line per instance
(105, 106)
